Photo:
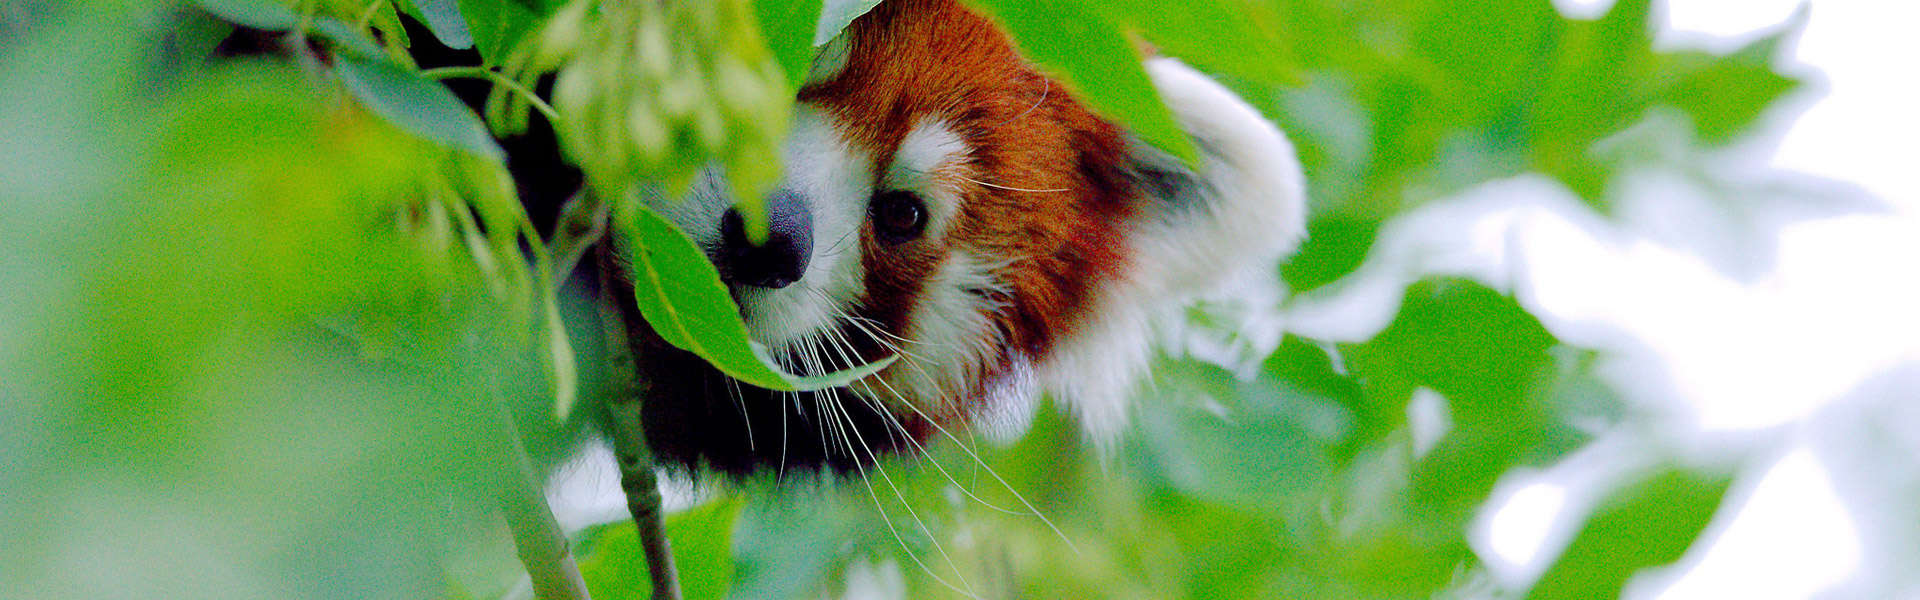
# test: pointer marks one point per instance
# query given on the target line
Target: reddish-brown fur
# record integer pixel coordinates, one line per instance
(912, 61)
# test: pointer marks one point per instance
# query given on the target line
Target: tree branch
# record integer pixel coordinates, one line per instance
(629, 440)
(542, 546)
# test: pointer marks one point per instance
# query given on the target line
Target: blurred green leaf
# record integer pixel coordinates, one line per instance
(1100, 64)
(615, 566)
(273, 16)
(443, 18)
(1725, 96)
(1234, 37)
(788, 26)
(681, 295)
(1647, 525)
(498, 26)
(417, 104)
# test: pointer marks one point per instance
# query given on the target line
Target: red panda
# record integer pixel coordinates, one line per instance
(947, 202)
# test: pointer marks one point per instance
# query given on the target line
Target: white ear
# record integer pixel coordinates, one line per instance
(1241, 212)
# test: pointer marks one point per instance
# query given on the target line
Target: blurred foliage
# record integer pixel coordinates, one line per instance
(263, 314)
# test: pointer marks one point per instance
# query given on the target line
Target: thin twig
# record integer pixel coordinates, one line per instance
(499, 79)
(623, 422)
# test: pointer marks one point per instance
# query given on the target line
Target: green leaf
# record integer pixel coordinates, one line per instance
(1648, 525)
(271, 16)
(836, 15)
(788, 27)
(498, 26)
(418, 105)
(1093, 57)
(614, 564)
(444, 20)
(276, 17)
(1726, 95)
(682, 297)
(1234, 37)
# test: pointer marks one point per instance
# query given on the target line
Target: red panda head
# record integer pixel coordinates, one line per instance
(946, 202)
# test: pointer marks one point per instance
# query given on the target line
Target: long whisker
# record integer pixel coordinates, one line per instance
(916, 444)
(967, 590)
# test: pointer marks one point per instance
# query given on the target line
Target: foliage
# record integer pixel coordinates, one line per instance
(268, 310)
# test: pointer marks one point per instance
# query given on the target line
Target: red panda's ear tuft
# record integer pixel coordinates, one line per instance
(1232, 219)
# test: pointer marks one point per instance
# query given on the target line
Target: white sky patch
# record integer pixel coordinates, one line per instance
(1428, 420)
(1791, 539)
(1517, 532)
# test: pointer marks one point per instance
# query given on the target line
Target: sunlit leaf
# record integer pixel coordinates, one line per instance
(1650, 524)
(681, 295)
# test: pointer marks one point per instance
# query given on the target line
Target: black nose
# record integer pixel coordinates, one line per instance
(777, 263)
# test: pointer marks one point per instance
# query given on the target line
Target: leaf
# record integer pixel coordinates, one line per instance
(1726, 95)
(275, 17)
(836, 15)
(788, 27)
(1235, 37)
(443, 18)
(271, 16)
(681, 296)
(497, 26)
(1088, 53)
(1648, 525)
(614, 565)
(422, 107)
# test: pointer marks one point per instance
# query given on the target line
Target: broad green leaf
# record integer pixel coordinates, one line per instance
(422, 107)
(1647, 525)
(614, 565)
(444, 20)
(835, 15)
(788, 27)
(1093, 57)
(682, 297)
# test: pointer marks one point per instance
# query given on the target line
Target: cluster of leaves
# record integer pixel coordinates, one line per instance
(275, 300)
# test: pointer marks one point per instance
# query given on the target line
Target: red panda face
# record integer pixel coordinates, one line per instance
(946, 203)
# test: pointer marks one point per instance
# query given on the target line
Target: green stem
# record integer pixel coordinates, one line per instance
(498, 79)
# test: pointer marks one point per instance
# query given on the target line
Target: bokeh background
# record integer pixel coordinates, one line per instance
(1602, 299)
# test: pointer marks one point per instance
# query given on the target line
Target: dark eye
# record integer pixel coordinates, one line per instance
(898, 216)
